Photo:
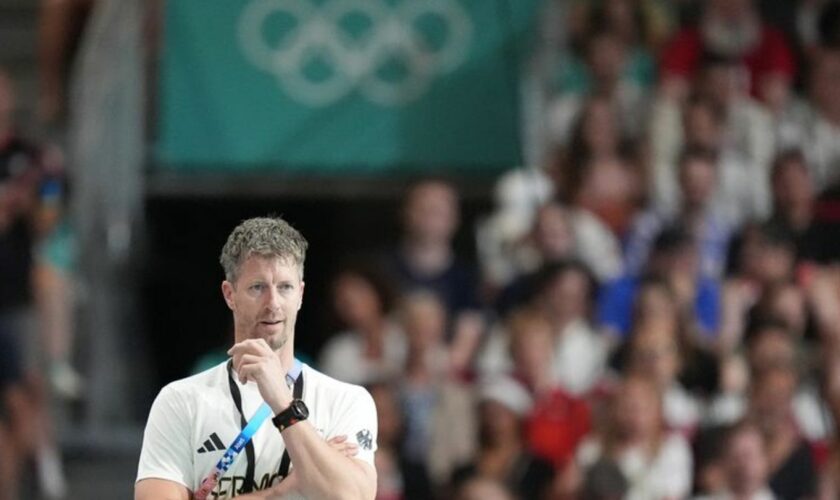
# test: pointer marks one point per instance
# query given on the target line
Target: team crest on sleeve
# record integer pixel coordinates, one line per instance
(365, 439)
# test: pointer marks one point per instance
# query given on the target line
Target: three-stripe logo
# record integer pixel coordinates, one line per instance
(213, 443)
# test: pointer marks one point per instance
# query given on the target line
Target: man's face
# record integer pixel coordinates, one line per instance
(532, 347)
(432, 212)
(771, 397)
(356, 301)
(698, 181)
(701, 126)
(600, 129)
(775, 262)
(772, 349)
(793, 184)
(496, 419)
(606, 58)
(682, 261)
(265, 299)
(636, 410)
(656, 303)
(721, 83)
(654, 352)
(745, 462)
(568, 295)
(424, 322)
(554, 233)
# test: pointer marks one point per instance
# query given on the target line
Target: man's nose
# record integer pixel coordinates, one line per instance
(273, 299)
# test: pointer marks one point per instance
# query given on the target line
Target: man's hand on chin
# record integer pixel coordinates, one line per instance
(254, 360)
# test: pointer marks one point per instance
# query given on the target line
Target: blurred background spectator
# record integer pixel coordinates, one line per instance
(575, 249)
(425, 259)
(372, 347)
(30, 198)
(698, 181)
(656, 462)
(440, 422)
(502, 454)
(744, 465)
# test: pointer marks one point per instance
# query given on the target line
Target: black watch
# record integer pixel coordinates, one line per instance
(296, 412)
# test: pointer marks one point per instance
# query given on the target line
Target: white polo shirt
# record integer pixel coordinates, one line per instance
(194, 420)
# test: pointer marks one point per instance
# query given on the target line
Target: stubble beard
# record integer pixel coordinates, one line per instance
(278, 341)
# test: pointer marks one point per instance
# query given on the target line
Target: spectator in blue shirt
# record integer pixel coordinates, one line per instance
(698, 181)
(674, 258)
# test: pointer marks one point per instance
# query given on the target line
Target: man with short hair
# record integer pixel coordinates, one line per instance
(323, 437)
(697, 178)
(426, 260)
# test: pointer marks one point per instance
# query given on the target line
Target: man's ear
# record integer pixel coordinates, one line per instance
(227, 293)
(302, 289)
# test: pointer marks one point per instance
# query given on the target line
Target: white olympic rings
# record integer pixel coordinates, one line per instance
(355, 61)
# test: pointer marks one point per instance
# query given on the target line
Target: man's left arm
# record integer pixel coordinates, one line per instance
(292, 482)
(322, 471)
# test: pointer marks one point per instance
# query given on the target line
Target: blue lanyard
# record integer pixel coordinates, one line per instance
(243, 440)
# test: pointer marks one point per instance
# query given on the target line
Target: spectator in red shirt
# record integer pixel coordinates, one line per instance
(732, 28)
(558, 421)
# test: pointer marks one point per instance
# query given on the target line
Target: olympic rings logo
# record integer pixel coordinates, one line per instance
(391, 37)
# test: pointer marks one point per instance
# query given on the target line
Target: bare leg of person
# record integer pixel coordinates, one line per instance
(54, 302)
(9, 465)
(44, 448)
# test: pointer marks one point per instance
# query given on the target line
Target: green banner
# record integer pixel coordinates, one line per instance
(358, 86)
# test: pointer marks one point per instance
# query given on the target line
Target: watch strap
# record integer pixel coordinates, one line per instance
(286, 461)
(282, 426)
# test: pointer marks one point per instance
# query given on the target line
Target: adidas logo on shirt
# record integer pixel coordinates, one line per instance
(213, 443)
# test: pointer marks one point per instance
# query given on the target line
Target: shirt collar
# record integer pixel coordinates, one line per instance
(294, 372)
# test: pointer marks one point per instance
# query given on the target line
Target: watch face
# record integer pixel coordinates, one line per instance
(300, 409)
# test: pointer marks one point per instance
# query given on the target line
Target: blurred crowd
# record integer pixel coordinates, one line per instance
(654, 310)
(37, 256)
(653, 313)
(38, 290)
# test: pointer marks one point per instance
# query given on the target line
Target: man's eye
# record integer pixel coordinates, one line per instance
(286, 287)
(257, 287)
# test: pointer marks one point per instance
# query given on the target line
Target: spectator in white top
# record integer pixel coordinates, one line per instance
(655, 355)
(600, 171)
(517, 195)
(439, 409)
(816, 130)
(512, 254)
(561, 233)
(772, 343)
(606, 60)
(371, 347)
(564, 295)
(656, 463)
(723, 117)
